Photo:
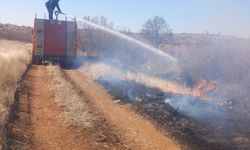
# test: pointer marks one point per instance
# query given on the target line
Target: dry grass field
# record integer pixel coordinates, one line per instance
(101, 70)
(14, 60)
(14, 32)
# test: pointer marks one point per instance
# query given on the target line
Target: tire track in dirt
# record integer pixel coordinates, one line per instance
(77, 111)
(35, 124)
(137, 132)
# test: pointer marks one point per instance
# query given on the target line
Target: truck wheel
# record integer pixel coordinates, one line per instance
(39, 62)
(33, 60)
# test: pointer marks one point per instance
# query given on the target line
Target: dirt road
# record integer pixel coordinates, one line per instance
(132, 126)
(35, 123)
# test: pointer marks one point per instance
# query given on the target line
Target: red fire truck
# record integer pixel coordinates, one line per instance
(55, 41)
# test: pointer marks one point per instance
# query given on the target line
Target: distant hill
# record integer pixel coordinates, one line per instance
(14, 32)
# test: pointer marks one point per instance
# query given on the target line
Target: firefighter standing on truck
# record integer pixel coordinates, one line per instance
(51, 5)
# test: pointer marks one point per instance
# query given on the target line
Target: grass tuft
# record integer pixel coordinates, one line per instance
(14, 60)
(75, 110)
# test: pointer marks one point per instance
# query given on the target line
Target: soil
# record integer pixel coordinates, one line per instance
(34, 123)
(137, 132)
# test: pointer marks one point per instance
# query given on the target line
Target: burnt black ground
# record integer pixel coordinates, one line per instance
(216, 134)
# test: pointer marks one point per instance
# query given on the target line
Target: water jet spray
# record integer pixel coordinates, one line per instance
(127, 38)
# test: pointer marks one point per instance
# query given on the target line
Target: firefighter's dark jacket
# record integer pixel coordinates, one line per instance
(51, 4)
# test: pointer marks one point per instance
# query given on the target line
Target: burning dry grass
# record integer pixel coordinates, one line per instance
(171, 117)
(14, 59)
(103, 71)
(75, 110)
(153, 82)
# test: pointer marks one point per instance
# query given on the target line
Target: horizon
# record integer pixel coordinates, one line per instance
(226, 17)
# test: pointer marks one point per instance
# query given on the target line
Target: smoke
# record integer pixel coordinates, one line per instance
(197, 108)
(123, 52)
(128, 39)
(132, 71)
(226, 61)
(221, 59)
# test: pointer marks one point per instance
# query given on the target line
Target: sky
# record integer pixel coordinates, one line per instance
(226, 17)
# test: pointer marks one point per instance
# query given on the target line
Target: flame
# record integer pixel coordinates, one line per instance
(242, 139)
(203, 87)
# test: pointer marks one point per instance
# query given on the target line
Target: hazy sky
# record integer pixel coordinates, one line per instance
(229, 17)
